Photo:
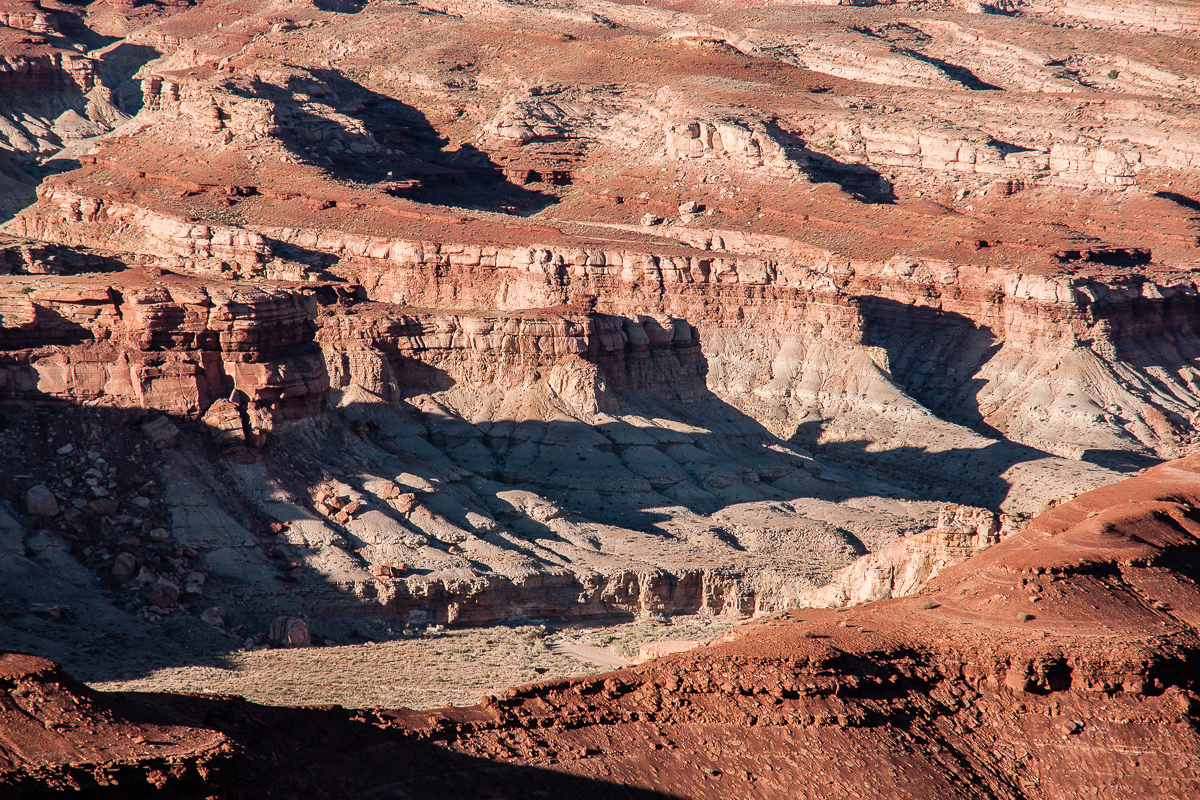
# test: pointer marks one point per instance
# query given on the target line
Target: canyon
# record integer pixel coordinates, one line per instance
(1057, 661)
(326, 324)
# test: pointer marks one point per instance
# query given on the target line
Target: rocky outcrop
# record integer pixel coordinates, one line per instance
(715, 285)
(1072, 637)
(829, 680)
(640, 594)
(32, 17)
(393, 351)
(1165, 17)
(744, 145)
(212, 249)
(52, 93)
(586, 323)
(174, 345)
(30, 257)
(61, 736)
(904, 568)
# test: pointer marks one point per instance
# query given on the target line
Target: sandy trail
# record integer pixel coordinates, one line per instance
(603, 656)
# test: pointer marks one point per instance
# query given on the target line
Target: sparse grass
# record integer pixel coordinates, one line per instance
(453, 666)
(456, 665)
(627, 640)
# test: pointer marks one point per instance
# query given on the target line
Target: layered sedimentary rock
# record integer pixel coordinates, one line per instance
(1178, 18)
(53, 94)
(1015, 659)
(1059, 660)
(622, 311)
(173, 345)
(904, 568)
(60, 736)
(1071, 324)
(392, 351)
(511, 463)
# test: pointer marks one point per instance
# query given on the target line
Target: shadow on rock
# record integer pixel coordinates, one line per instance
(366, 137)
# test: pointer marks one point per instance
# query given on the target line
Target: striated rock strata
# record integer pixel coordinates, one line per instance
(1057, 661)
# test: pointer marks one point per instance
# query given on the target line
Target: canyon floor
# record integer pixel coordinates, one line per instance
(1059, 663)
(426, 348)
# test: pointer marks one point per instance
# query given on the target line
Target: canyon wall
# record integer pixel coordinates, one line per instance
(1050, 662)
(1035, 335)
(412, 328)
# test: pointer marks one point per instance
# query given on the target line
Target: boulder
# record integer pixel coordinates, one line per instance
(40, 501)
(163, 594)
(405, 502)
(125, 567)
(194, 583)
(1018, 680)
(214, 616)
(224, 419)
(160, 431)
(106, 508)
(290, 632)
(388, 569)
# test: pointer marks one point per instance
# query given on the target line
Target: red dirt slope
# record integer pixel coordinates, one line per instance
(1061, 663)
(57, 735)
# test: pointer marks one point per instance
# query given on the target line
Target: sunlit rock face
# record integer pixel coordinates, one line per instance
(319, 315)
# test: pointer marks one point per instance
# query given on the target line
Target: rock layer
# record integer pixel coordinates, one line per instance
(1057, 660)
(471, 311)
(172, 345)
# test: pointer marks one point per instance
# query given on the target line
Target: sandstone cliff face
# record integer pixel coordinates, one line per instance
(501, 430)
(1059, 659)
(1168, 17)
(823, 682)
(582, 358)
(1036, 335)
(53, 93)
(904, 568)
(458, 333)
(62, 86)
(172, 345)
(1050, 331)
(209, 249)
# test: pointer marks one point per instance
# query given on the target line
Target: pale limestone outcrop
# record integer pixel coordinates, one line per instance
(51, 97)
(540, 120)
(904, 568)
(203, 248)
(739, 144)
(1040, 321)
(580, 359)
(1169, 17)
(947, 150)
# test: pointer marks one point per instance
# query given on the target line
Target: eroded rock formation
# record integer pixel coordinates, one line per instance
(315, 315)
(1059, 660)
